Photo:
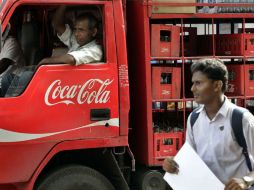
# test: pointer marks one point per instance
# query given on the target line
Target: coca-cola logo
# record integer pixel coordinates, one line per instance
(92, 91)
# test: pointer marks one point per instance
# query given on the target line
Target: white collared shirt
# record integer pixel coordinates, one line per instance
(12, 51)
(88, 53)
(215, 143)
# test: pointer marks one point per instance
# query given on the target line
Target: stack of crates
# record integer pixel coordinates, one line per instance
(166, 83)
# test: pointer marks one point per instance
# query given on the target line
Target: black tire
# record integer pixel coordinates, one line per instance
(75, 177)
(148, 179)
(153, 180)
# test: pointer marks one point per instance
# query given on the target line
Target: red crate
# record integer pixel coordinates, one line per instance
(167, 144)
(249, 44)
(188, 80)
(205, 44)
(235, 80)
(232, 44)
(166, 82)
(247, 30)
(165, 41)
(190, 41)
(249, 80)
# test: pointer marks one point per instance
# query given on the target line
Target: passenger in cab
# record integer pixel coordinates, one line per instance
(80, 41)
(11, 58)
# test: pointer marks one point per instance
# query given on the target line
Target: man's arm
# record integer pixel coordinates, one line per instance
(64, 59)
(58, 20)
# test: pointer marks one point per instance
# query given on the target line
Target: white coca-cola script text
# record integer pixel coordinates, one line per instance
(92, 91)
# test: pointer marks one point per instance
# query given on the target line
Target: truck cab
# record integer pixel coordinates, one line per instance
(66, 115)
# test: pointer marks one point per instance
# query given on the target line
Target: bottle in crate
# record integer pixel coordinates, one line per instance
(213, 9)
(238, 9)
(200, 8)
(242, 9)
(203, 9)
(220, 9)
(250, 8)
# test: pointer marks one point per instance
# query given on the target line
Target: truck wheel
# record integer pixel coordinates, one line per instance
(75, 177)
(145, 179)
(153, 180)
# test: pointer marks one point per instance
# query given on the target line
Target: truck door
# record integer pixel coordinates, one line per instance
(64, 102)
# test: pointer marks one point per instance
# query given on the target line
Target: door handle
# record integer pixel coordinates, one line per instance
(100, 114)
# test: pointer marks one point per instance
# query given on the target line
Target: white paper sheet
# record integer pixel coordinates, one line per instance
(193, 172)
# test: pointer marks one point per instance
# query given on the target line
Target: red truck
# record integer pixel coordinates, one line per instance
(85, 127)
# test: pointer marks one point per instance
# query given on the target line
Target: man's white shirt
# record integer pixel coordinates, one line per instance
(215, 143)
(88, 53)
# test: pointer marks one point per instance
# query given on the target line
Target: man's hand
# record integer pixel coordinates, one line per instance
(169, 165)
(236, 184)
(44, 61)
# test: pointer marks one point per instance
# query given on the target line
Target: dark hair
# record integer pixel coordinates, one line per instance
(92, 20)
(213, 68)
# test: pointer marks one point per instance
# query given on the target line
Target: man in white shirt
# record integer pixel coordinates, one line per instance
(81, 42)
(212, 136)
(11, 54)
(11, 57)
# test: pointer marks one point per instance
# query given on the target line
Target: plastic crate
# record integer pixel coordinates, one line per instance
(204, 45)
(167, 144)
(190, 41)
(247, 30)
(165, 41)
(249, 80)
(188, 81)
(249, 44)
(235, 44)
(235, 80)
(166, 82)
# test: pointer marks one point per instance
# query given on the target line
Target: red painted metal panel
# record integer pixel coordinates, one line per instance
(74, 145)
(47, 114)
(122, 67)
(141, 134)
(20, 160)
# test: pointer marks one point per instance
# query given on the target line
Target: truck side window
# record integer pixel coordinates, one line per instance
(80, 31)
(36, 40)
